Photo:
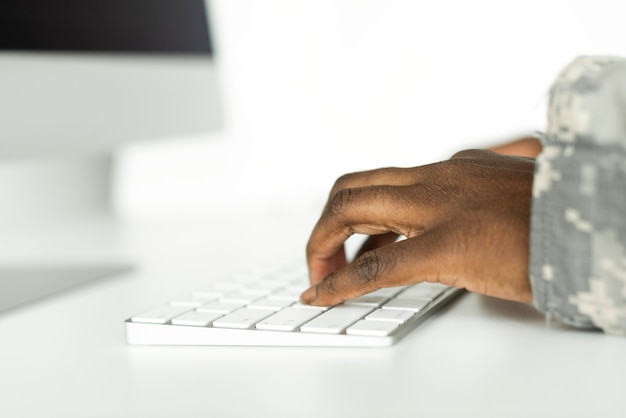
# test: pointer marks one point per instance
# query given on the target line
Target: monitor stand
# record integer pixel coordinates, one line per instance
(58, 227)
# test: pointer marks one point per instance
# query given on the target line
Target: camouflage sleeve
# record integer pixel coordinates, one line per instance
(578, 224)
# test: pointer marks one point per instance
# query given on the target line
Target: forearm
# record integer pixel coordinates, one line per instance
(578, 227)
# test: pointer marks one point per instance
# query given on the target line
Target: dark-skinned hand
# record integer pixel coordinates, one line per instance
(466, 221)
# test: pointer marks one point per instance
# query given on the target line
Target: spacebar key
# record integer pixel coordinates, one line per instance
(337, 319)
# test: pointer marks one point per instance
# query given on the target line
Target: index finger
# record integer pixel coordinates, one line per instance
(365, 211)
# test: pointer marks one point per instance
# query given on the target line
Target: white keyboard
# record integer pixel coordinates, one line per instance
(266, 311)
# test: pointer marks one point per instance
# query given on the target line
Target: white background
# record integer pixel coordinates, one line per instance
(315, 89)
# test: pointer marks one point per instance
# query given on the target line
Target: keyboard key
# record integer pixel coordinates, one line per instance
(272, 304)
(305, 306)
(290, 293)
(373, 328)
(220, 307)
(393, 315)
(197, 319)
(161, 314)
(243, 318)
(409, 304)
(289, 319)
(337, 319)
(388, 291)
(368, 300)
(423, 290)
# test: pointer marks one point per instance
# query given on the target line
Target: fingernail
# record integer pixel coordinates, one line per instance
(309, 295)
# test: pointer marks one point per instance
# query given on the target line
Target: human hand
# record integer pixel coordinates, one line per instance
(466, 222)
(523, 147)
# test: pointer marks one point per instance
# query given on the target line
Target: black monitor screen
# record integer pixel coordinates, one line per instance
(148, 26)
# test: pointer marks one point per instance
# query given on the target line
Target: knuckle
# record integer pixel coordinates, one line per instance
(343, 182)
(341, 201)
(329, 286)
(468, 153)
(370, 267)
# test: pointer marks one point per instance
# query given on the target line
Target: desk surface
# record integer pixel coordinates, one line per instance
(66, 356)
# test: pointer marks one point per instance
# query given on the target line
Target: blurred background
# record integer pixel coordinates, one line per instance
(312, 89)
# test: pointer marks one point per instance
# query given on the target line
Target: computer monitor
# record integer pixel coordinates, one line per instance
(79, 78)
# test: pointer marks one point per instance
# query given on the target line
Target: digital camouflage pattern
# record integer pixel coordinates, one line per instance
(578, 225)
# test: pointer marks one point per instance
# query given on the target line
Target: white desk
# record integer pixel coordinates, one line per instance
(66, 356)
